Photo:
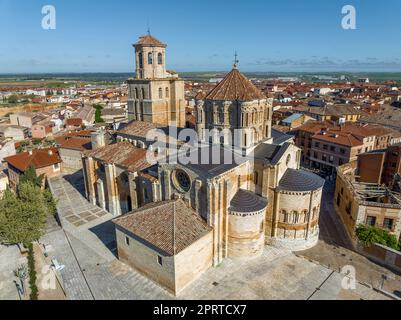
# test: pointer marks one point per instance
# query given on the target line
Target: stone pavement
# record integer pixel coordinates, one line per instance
(10, 259)
(93, 272)
(335, 250)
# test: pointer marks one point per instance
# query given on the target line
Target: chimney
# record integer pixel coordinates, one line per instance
(30, 152)
(50, 152)
(98, 139)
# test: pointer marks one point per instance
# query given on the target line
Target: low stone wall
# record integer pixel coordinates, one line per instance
(382, 254)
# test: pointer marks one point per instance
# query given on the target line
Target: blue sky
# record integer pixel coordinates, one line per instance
(202, 35)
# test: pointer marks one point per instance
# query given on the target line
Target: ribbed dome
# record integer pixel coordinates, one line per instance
(300, 180)
(235, 86)
(247, 201)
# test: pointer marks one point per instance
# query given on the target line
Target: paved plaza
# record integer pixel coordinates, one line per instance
(10, 259)
(87, 248)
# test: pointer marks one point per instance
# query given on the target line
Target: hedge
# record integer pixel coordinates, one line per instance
(32, 273)
(369, 235)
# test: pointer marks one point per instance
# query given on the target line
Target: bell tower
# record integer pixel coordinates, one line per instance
(155, 94)
(150, 58)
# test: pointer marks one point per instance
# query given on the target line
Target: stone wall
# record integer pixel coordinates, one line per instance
(193, 261)
(382, 254)
(144, 258)
(175, 272)
(246, 236)
(296, 220)
(72, 159)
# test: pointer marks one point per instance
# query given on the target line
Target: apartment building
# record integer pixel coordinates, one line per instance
(326, 145)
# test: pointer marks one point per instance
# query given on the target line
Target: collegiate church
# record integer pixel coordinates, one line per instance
(175, 220)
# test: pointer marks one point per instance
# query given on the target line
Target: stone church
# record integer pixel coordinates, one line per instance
(175, 214)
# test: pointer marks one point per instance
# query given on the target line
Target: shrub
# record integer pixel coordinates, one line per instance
(32, 273)
(370, 235)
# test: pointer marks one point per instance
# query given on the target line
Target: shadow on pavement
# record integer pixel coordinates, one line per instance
(105, 232)
(76, 180)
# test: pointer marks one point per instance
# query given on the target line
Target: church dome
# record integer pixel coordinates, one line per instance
(235, 86)
(149, 41)
(247, 201)
(300, 181)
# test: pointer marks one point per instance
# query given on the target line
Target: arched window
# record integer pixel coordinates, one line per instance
(150, 58)
(160, 93)
(160, 58)
(143, 94)
(136, 93)
(140, 60)
(167, 93)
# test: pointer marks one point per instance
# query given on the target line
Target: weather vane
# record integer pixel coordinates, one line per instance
(236, 61)
(148, 28)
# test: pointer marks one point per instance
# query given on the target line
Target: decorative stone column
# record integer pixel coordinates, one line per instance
(167, 185)
(112, 194)
(198, 186)
(310, 215)
(89, 175)
(133, 191)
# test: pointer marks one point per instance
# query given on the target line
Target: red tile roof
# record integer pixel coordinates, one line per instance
(80, 144)
(235, 86)
(74, 122)
(149, 41)
(40, 158)
(170, 225)
(123, 154)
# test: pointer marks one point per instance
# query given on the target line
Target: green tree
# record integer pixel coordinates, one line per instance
(23, 216)
(31, 176)
(13, 98)
(98, 113)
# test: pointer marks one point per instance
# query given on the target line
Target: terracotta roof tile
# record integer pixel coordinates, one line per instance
(123, 154)
(149, 41)
(170, 225)
(80, 144)
(235, 86)
(39, 158)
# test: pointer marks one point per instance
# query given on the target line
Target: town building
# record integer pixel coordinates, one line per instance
(370, 204)
(17, 133)
(381, 166)
(156, 94)
(7, 148)
(71, 152)
(327, 145)
(336, 112)
(44, 161)
(72, 124)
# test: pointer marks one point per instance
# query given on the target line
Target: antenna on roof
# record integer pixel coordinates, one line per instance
(236, 61)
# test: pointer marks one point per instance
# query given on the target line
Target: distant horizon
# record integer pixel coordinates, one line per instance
(205, 72)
